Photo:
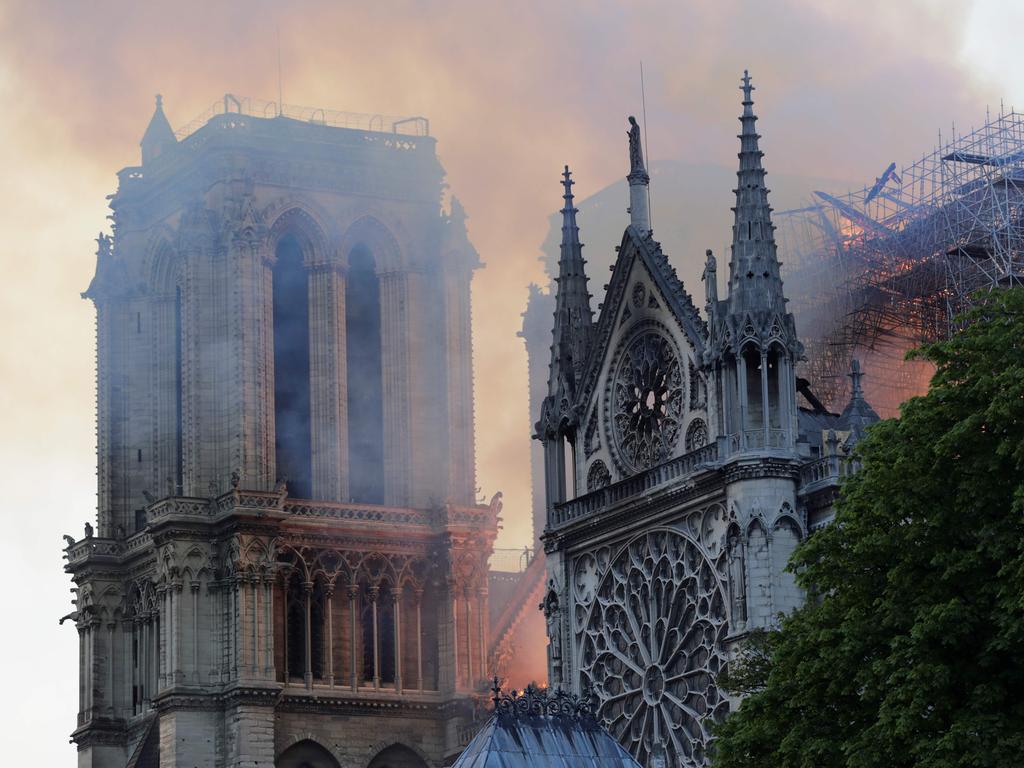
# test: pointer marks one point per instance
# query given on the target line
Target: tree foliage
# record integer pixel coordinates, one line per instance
(910, 648)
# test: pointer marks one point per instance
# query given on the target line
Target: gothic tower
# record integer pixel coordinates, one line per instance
(289, 565)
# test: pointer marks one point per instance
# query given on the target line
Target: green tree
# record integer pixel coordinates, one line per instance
(910, 648)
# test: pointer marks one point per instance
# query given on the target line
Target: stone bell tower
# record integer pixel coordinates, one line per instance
(287, 524)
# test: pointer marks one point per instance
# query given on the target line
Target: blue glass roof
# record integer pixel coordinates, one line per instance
(514, 738)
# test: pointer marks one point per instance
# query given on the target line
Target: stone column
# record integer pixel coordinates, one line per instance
(127, 669)
(397, 613)
(453, 633)
(469, 637)
(268, 624)
(252, 327)
(328, 381)
(481, 614)
(254, 584)
(179, 675)
(194, 589)
(307, 589)
(459, 346)
(418, 596)
(330, 635)
(353, 595)
(374, 595)
(232, 626)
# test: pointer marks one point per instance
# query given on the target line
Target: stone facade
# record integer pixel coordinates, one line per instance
(680, 473)
(289, 566)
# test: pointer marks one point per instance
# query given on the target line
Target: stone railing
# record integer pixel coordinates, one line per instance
(758, 440)
(602, 498)
(363, 512)
(93, 547)
(828, 470)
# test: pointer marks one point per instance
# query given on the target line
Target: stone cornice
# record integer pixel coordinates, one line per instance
(100, 732)
(638, 510)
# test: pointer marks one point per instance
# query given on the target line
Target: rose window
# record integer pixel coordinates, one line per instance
(648, 401)
(653, 645)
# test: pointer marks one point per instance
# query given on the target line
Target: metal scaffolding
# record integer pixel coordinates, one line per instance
(878, 271)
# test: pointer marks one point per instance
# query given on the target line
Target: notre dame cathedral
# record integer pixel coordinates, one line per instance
(680, 468)
(290, 565)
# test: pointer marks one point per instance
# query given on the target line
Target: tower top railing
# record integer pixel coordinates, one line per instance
(246, 105)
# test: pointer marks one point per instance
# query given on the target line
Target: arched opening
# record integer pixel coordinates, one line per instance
(774, 388)
(292, 441)
(306, 754)
(755, 405)
(569, 460)
(397, 756)
(296, 646)
(377, 621)
(365, 395)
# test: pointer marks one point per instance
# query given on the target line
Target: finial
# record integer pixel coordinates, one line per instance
(567, 182)
(748, 99)
(159, 101)
(496, 691)
(855, 375)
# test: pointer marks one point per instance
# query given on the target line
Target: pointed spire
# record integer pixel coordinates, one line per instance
(639, 181)
(858, 414)
(573, 317)
(754, 278)
(855, 375)
(158, 135)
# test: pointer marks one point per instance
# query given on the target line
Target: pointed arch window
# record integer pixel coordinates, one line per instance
(292, 419)
(365, 390)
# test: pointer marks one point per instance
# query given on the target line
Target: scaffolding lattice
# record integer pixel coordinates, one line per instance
(875, 272)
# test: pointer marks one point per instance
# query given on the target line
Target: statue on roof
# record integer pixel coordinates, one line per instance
(636, 153)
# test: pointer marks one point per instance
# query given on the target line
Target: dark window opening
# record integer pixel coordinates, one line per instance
(291, 370)
(296, 630)
(383, 650)
(365, 409)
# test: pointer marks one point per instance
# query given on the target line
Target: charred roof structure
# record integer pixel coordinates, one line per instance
(890, 266)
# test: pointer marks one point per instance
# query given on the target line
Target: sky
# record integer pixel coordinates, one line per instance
(513, 91)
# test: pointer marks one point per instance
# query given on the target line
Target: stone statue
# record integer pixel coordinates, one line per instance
(88, 530)
(70, 541)
(552, 617)
(636, 153)
(737, 580)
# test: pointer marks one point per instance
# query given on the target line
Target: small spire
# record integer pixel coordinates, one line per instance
(159, 135)
(755, 282)
(573, 317)
(858, 414)
(855, 375)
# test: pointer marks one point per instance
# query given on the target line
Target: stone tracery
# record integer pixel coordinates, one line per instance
(647, 401)
(652, 644)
